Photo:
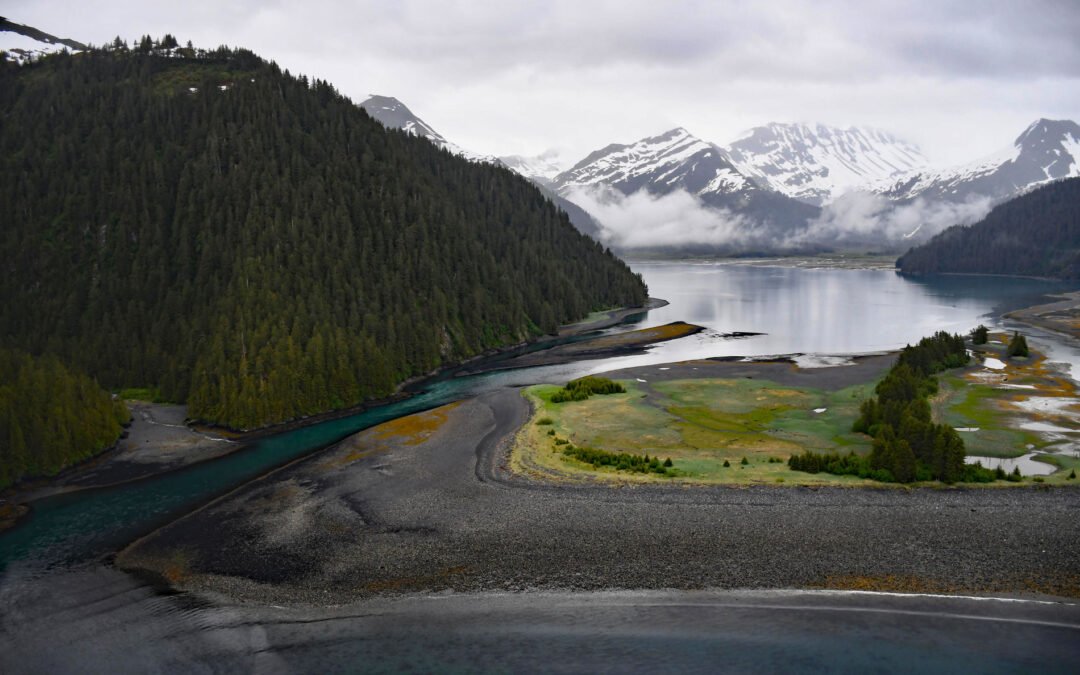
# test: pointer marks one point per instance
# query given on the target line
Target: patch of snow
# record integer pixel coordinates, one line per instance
(994, 364)
(1028, 465)
(1047, 404)
(966, 428)
(821, 361)
(820, 410)
(21, 48)
(1044, 427)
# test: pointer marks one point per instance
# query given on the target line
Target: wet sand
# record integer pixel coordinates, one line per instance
(427, 503)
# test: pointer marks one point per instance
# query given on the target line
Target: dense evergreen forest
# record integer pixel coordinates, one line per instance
(1037, 234)
(253, 243)
(51, 416)
(908, 445)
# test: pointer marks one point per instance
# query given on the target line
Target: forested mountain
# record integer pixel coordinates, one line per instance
(257, 245)
(50, 416)
(1037, 234)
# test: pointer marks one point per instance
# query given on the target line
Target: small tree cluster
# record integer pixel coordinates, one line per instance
(1018, 346)
(980, 335)
(584, 387)
(621, 461)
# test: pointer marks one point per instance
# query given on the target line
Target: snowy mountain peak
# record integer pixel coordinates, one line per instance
(540, 169)
(673, 159)
(814, 163)
(393, 114)
(1047, 150)
(1042, 130)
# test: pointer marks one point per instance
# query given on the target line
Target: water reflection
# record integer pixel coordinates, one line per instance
(825, 311)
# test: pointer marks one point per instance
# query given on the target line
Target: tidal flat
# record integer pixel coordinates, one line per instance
(432, 502)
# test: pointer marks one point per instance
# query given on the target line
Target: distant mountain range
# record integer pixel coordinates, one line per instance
(810, 186)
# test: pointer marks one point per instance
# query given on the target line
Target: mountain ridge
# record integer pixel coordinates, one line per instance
(816, 162)
(1046, 150)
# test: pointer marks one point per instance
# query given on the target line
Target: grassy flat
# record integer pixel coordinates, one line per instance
(703, 422)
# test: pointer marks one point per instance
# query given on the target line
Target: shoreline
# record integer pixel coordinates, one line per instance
(1061, 317)
(124, 462)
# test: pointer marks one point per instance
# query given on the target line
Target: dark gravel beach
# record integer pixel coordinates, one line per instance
(426, 503)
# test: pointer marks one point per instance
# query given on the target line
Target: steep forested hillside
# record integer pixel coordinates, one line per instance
(1037, 234)
(255, 244)
(50, 416)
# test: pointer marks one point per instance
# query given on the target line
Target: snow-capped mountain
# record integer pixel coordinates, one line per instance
(1047, 150)
(677, 160)
(25, 43)
(814, 163)
(393, 114)
(540, 169)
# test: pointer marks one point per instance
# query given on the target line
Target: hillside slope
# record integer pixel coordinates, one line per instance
(256, 244)
(1037, 234)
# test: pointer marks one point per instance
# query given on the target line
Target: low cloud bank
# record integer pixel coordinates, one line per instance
(675, 220)
(679, 220)
(864, 218)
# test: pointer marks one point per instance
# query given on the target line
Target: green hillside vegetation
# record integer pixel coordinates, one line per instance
(51, 417)
(208, 226)
(1036, 234)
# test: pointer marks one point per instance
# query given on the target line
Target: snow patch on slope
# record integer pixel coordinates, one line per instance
(22, 49)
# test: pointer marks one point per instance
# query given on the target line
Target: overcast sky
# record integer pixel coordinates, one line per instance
(960, 78)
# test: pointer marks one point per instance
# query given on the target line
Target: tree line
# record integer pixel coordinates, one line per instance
(254, 244)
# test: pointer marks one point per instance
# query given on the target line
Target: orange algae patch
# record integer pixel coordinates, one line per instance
(409, 430)
(645, 336)
(414, 429)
